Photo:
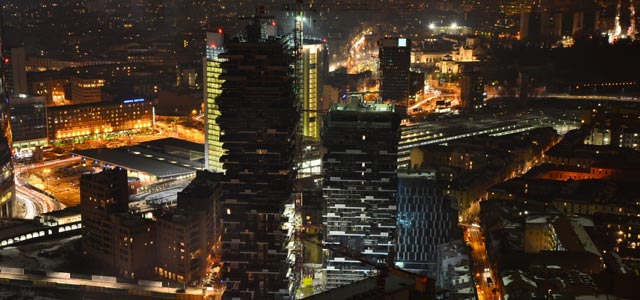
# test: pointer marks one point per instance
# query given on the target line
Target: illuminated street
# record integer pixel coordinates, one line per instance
(35, 202)
(487, 283)
(425, 104)
(362, 54)
(32, 202)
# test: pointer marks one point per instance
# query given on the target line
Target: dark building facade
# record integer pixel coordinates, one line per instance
(134, 247)
(101, 196)
(187, 235)
(178, 244)
(7, 185)
(360, 142)
(426, 219)
(549, 26)
(395, 60)
(118, 242)
(471, 88)
(258, 117)
(29, 120)
(18, 71)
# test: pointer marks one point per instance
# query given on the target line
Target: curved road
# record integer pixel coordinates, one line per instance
(30, 209)
(35, 202)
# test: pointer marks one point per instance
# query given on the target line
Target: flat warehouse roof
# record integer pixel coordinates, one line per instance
(127, 159)
(173, 142)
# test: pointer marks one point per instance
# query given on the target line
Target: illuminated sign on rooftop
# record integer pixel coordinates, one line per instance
(133, 100)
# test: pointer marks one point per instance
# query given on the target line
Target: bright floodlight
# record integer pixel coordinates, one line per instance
(454, 25)
(432, 26)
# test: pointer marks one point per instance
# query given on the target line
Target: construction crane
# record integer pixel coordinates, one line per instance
(298, 11)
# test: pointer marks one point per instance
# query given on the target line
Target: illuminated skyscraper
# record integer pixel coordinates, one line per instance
(314, 67)
(212, 89)
(360, 145)
(7, 185)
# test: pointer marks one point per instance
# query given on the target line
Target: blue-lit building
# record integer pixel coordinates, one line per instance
(426, 219)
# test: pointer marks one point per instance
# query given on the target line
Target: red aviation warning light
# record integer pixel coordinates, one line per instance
(421, 285)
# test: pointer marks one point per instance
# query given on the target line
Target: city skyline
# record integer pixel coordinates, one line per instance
(292, 149)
